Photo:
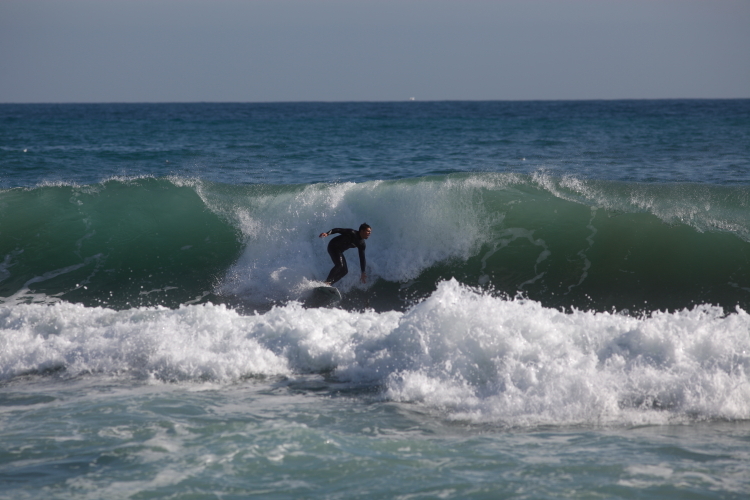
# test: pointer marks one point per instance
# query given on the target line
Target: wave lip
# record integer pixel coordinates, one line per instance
(460, 353)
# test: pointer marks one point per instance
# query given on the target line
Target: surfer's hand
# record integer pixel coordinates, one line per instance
(323, 235)
(364, 278)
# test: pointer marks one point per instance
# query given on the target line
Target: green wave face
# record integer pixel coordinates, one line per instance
(571, 255)
(562, 241)
(119, 244)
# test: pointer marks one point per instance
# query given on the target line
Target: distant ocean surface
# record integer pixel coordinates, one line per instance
(557, 303)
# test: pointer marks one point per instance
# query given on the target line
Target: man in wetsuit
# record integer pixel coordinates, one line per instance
(349, 238)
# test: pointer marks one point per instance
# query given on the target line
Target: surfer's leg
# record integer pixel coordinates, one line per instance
(339, 268)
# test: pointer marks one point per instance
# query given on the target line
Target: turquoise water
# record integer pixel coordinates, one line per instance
(556, 304)
(290, 440)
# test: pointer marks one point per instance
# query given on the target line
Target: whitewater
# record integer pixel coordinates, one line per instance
(475, 357)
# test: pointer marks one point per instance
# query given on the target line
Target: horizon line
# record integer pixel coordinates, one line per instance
(409, 100)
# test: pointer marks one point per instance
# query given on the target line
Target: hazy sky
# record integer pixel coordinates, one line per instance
(371, 50)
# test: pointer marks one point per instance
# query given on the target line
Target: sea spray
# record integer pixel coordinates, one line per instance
(416, 224)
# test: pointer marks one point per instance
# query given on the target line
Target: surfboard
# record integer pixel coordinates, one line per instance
(323, 296)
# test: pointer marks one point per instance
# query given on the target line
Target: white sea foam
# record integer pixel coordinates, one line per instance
(190, 343)
(415, 225)
(463, 354)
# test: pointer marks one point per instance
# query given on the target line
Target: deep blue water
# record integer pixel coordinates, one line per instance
(702, 141)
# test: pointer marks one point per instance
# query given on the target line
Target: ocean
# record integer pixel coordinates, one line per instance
(556, 303)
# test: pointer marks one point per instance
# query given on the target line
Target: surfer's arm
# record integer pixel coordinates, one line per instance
(335, 230)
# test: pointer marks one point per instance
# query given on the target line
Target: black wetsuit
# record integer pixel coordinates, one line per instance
(349, 238)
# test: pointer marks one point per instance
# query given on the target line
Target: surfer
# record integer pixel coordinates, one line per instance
(349, 238)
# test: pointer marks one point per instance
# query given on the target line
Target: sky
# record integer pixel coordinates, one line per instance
(371, 50)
